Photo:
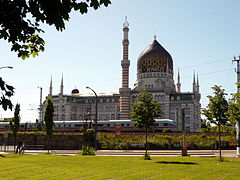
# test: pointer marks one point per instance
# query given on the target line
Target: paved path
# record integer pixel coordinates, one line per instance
(225, 153)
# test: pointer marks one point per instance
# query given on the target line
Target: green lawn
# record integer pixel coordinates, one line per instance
(109, 167)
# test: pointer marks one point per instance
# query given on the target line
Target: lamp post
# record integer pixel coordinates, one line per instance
(184, 145)
(41, 108)
(96, 116)
(9, 67)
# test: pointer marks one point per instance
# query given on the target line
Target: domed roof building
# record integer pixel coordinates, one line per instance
(155, 69)
(154, 56)
(75, 92)
(154, 73)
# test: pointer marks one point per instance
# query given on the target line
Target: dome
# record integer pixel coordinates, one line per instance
(154, 59)
(75, 91)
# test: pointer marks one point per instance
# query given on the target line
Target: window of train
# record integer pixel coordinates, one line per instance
(165, 124)
(77, 125)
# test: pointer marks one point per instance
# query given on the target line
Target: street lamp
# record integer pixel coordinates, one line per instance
(41, 108)
(96, 116)
(9, 67)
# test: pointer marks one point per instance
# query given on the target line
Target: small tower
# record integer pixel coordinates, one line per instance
(125, 91)
(194, 83)
(197, 86)
(50, 88)
(61, 87)
(178, 82)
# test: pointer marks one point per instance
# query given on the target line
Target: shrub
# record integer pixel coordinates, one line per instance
(146, 156)
(87, 150)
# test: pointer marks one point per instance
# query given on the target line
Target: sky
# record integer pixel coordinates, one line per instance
(202, 36)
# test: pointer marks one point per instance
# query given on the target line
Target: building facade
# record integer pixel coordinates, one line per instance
(154, 73)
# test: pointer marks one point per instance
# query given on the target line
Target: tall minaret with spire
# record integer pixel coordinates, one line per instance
(61, 87)
(197, 86)
(50, 88)
(125, 91)
(194, 83)
(178, 82)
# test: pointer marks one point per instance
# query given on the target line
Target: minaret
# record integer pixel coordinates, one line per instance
(194, 83)
(197, 86)
(125, 91)
(61, 87)
(178, 82)
(50, 88)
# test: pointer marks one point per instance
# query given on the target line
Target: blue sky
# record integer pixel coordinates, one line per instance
(202, 36)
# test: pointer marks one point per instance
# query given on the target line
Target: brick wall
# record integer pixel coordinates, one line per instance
(55, 142)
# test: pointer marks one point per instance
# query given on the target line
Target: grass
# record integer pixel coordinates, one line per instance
(119, 167)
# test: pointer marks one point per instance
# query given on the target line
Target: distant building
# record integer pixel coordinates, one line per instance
(154, 73)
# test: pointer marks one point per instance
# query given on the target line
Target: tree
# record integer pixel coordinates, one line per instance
(48, 119)
(234, 114)
(216, 110)
(14, 123)
(143, 113)
(20, 21)
(6, 91)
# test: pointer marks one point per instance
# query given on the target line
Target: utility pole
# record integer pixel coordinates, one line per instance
(41, 108)
(237, 70)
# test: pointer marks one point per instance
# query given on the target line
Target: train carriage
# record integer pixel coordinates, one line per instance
(102, 126)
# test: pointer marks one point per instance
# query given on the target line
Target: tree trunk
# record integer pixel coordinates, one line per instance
(14, 143)
(146, 140)
(48, 140)
(219, 141)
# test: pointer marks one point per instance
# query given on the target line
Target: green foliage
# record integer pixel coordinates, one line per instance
(159, 141)
(14, 123)
(205, 123)
(145, 110)
(216, 110)
(20, 21)
(48, 117)
(224, 129)
(87, 150)
(147, 156)
(89, 136)
(6, 92)
(234, 107)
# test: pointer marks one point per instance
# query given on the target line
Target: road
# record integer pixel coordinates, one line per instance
(225, 153)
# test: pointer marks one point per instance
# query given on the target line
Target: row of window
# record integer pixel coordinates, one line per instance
(152, 75)
(92, 116)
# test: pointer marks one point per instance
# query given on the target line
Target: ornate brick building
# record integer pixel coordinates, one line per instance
(154, 73)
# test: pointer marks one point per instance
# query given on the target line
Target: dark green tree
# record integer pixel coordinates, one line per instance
(48, 119)
(216, 110)
(14, 123)
(143, 113)
(6, 92)
(20, 20)
(234, 114)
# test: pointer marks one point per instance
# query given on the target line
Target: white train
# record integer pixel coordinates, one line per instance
(104, 126)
